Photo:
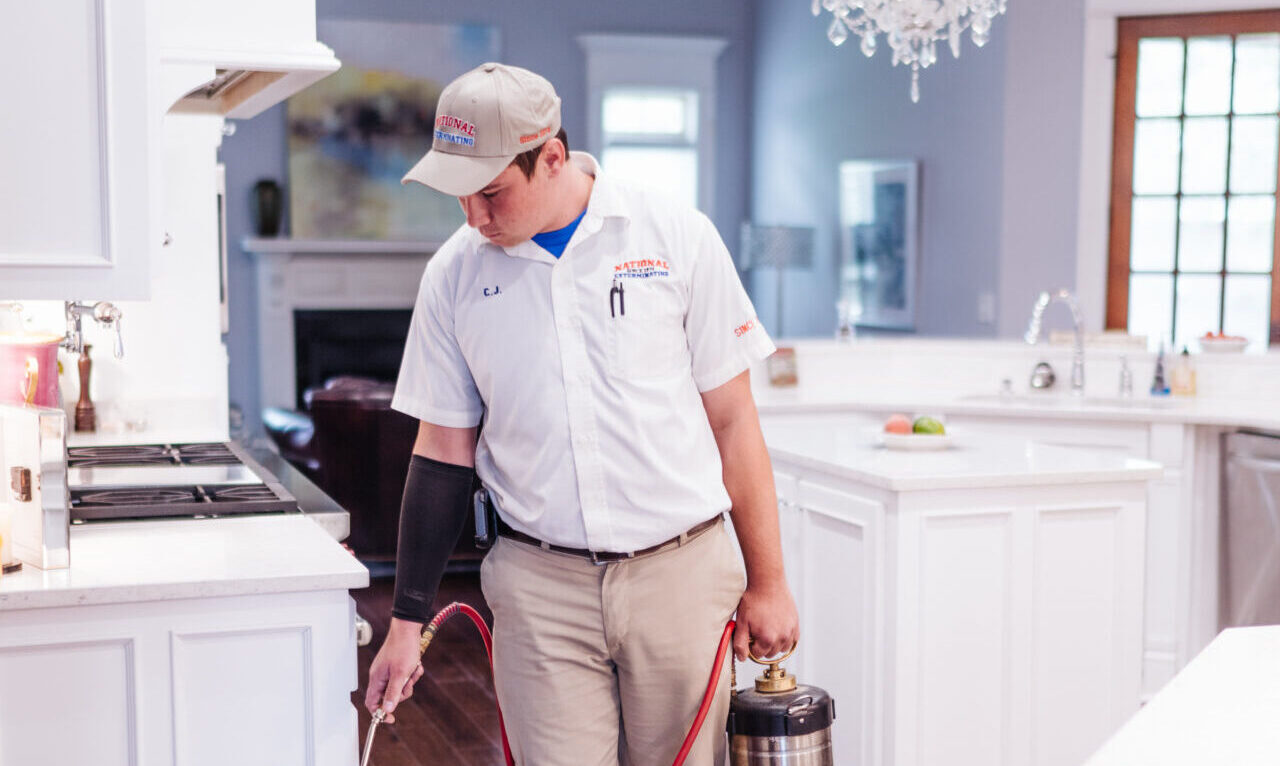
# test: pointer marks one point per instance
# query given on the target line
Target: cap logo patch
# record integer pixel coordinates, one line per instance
(455, 131)
(535, 136)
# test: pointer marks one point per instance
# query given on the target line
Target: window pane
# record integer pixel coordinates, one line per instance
(1208, 75)
(1248, 309)
(650, 112)
(1151, 306)
(1200, 235)
(1199, 302)
(1155, 156)
(1257, 74)
(1159, 77)
(1250, 233)
(1253, 155)
(1151, 243)
(673, 171)
(1204, 156)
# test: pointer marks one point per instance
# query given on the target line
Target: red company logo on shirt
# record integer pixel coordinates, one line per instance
(642, 268)
(745, 328)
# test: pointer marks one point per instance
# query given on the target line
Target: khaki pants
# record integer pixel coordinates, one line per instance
(601, 665)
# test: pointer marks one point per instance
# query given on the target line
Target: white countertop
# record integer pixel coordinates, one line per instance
(1222, 708)
(846, 446)
(1142, 407)
(115, 562)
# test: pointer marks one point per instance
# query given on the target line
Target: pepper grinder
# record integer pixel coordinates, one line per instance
(86, 416)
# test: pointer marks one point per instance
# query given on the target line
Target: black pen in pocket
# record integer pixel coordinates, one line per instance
(621, 308)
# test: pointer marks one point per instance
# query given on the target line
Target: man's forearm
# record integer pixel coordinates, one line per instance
(748, 476)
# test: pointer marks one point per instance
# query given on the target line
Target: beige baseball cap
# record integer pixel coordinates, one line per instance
(483, 120)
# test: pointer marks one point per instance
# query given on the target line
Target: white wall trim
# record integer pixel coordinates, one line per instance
(658, 60)
(1097, 116)
(311, 274)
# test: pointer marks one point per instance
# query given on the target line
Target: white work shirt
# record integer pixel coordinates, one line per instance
(588, 368)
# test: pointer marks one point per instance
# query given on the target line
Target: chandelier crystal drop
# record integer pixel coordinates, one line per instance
(912, 27)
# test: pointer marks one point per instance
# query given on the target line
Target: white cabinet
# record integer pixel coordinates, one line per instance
(967, 626)
(198, 682)
(77, 170)
(1180, 603)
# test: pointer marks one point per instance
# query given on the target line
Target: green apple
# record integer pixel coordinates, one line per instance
(928, 425)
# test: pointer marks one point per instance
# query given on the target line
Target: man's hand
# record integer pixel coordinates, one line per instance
(767, 622)
(396, 668)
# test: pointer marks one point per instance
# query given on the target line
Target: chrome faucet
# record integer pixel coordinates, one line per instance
(1033, 332)
(103, 313)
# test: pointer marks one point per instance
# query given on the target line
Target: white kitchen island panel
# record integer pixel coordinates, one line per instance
(183, 643)
(993, 617)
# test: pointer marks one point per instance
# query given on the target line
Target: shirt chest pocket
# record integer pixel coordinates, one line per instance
(646, 329)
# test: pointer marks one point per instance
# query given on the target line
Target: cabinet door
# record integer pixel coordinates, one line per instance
(841, 613)
(76, 166)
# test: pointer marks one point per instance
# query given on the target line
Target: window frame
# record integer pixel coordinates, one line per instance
(1129, 31)
(659, 62)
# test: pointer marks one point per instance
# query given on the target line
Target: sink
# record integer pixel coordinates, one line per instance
(1068, 400)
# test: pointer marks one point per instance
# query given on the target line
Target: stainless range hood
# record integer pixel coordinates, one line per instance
(241, 84)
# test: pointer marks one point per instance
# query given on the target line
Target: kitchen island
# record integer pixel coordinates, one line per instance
(197, 641)
(976, 605)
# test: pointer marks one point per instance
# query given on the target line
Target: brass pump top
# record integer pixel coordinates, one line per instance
(774, 680)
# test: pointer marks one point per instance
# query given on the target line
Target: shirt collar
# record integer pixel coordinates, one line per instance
(603, 203)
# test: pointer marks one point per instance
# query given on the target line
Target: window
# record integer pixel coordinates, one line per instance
(650, 114)
(1193, 196)
(651, 136)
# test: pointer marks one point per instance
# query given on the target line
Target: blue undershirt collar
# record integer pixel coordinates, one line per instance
(554, 242)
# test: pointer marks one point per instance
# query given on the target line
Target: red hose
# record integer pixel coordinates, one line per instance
(439, 620)
(707, 697)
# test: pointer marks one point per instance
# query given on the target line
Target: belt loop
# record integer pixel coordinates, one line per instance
(684, 538)
(544, 545)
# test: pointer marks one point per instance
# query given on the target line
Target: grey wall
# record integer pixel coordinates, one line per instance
(816, 105)
(1043, 91)
(539, 36)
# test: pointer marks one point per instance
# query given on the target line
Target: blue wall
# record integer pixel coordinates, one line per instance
(816, 105)
(541, 37)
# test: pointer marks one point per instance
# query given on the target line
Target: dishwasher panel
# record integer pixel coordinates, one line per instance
(1250, 529)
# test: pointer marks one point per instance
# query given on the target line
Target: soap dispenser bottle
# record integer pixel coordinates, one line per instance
(1158, 386)
(1184, 375)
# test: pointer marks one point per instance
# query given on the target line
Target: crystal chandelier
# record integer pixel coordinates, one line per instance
(913, 27)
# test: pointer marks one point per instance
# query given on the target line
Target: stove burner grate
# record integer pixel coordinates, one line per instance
(247, 492)
(139, 496)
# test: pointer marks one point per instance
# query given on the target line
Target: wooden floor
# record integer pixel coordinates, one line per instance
(452, 716)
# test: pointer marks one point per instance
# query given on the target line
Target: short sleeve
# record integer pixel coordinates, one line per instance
(435, 383)
(725, 337)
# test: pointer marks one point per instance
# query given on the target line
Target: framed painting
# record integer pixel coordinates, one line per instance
(879, 228)
(354, 134)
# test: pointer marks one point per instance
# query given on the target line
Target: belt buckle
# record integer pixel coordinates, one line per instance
(611, 557)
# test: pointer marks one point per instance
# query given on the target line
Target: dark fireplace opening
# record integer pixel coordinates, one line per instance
(330, 342)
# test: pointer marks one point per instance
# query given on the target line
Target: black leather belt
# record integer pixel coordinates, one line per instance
(608, 557)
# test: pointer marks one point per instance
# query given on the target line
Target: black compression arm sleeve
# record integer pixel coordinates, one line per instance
(434, 509)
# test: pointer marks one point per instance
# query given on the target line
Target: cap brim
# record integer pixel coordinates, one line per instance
(455, 174)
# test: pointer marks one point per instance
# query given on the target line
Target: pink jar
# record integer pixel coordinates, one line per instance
(29, 368)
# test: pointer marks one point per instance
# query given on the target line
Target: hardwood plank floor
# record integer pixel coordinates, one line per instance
(452, 716)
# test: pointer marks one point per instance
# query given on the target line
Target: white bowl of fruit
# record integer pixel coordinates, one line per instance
(925, 432)
(1218, 343)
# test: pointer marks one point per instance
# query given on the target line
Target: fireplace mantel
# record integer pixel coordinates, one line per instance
(323, 274)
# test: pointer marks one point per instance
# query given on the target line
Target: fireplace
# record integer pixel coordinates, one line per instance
(329, 342)
(330, 307)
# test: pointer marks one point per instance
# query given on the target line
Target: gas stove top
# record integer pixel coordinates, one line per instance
(153, 454)
(170, 480)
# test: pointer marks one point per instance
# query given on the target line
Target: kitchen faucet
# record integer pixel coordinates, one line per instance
(103, 313)
(1033, 332)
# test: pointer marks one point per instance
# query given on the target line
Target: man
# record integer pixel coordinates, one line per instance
(602, 333)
